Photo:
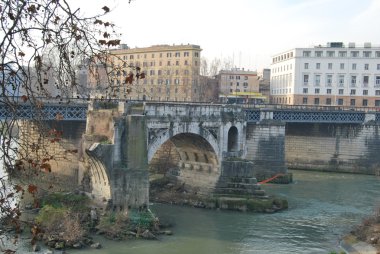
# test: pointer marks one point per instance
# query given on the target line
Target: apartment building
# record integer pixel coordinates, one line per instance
(172, 73)
(239, 86)
(334, 74)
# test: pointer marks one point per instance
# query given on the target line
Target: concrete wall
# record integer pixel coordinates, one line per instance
(333, 147)
(265, 143)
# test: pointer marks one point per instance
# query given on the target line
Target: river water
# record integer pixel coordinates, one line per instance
(322, 208)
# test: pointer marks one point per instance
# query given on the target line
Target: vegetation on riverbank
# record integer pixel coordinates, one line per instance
(66, 220)
(368, 231)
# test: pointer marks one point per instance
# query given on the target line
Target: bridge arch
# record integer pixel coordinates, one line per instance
(100, 183)
(165, 135)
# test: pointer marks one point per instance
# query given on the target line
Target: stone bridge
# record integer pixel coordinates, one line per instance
(201, 144)
(194, 140)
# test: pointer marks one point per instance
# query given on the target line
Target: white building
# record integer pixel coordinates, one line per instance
(335, 74)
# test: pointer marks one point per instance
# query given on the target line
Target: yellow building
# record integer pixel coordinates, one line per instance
(171, 73)
(239, 86)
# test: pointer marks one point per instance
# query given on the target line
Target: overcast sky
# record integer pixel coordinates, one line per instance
(249, 31)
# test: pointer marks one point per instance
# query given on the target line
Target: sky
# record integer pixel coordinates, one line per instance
(248, 32)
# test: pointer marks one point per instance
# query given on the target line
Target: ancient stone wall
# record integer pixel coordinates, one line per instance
(55, 144)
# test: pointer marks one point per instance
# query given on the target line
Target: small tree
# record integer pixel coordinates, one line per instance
(43, 46)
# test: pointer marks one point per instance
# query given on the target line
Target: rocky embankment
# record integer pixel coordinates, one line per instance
(368, 231)
(163, 190)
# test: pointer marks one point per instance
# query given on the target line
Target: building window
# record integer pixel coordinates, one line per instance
(196, 54)
(329, 80)
(340, 102)
(377, 92)
(352, 92)
(304, 100)
(245, 84)
(366, 67)
(305, 90)
(328, 91)
(176, 63)
(131, 57)
(377, 53)
(342, 53)
(318, 66)
(306, 66)
(328, 101)
(353, 80)
(159, 72)
(316, 101)
(186, 54)
(245, 77)
(365, 103)
(305, 79)
(237, 77)
(354, 53)
(330, 53)
(237, 83)
(341, 80)
(168, 63)
(306, 53)
(365, 92)
(329, 66)
(151, 72)
(354, 66)
(186, 72)
(378, 67)
(340, 91)
(318, 53)
(167, 82)
(316, 91)
(342, 66)
(352, 102)
(177, 54)
(365, 80)
(377, 80)
(367, 53)
(377, 103)
(168, 54)
(176, 81)
(231, 83)
(317, 80)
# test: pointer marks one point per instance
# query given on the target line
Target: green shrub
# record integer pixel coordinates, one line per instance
(78, 203)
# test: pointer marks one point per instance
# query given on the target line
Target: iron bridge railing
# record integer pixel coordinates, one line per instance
(74, 112)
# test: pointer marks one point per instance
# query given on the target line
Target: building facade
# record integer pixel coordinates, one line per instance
(239, 86)
(335, 74)
(171, 73)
